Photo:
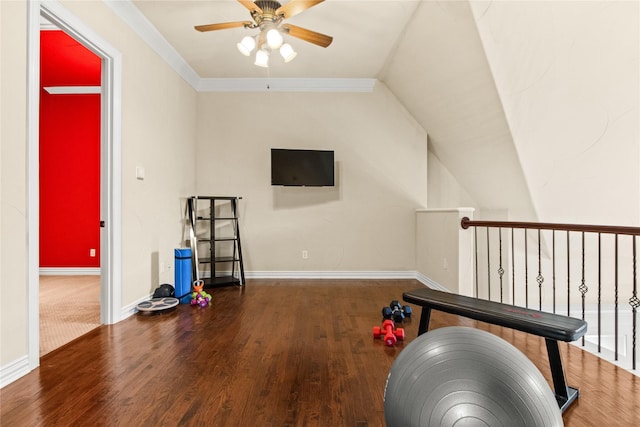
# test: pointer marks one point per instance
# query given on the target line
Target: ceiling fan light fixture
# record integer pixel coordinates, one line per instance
(274, 38)
(262, 58)
(247, 45)
(287, 52)
(268, 17)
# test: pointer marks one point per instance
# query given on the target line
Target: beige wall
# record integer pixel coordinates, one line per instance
(13, 196)
(158, 134)
(440, 72)
(444, 251)
(365, 223)
(568, 75)
(443, 188)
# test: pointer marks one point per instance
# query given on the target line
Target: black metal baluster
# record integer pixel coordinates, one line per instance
(513, 269)
(599, 291)
(500, 269)
(553, 267)
(539, 279)
(526, 271)
(488, 267)
(635, 303)
(583, 287)
(475, 243)
(568, 275)
(615, 302)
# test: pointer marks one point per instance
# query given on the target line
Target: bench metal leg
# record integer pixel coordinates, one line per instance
(424, 320)
(565, 395)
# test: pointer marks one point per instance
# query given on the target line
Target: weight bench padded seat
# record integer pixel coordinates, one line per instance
(552, 327)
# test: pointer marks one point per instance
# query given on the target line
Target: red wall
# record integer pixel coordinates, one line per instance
(69, 155)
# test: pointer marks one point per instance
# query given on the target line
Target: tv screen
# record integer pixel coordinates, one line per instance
(302, 167)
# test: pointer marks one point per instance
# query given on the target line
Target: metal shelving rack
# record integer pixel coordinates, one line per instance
(216, 249)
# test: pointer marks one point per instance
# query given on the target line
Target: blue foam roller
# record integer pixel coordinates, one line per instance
(182, 273)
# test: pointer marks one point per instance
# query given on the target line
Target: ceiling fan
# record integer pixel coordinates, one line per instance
(268, 16)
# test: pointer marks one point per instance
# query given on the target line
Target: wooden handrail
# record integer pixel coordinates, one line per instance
(611, 229)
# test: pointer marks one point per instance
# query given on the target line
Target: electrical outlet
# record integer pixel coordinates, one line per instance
(92, 252)
(445, 264)
(305, 254)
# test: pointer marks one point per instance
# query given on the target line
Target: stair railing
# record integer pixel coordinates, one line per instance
(565, 268)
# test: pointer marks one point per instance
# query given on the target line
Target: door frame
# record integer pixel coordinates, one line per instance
(110, 164)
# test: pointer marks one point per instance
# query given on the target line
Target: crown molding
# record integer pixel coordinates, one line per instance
(139, 23)
(285, 85)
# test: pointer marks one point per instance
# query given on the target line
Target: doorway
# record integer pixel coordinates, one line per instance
(110, 180)
(69, 188)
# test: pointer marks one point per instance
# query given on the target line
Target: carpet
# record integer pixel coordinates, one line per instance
(69, 308)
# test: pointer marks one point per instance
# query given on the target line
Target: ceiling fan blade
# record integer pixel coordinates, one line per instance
(250, 5)
(308, 35)
(294, 7)
(223, 26)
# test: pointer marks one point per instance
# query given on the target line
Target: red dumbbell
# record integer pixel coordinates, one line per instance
(391, 336)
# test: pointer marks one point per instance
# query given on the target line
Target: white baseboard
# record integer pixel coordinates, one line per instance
(69, 271)
(430, 283)
(330, 275)
(14, 370)
(131, 309)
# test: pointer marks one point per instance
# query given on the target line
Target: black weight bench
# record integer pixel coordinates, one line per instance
(552, 327)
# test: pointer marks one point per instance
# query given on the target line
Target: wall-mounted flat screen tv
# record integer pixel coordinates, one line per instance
(313, 168)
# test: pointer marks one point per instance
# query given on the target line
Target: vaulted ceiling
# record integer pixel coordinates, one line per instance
(428, 53)
(507, 91)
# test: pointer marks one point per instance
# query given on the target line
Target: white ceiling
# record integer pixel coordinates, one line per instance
(364, 34)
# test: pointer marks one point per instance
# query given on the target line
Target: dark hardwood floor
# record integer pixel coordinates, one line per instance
(275, 353)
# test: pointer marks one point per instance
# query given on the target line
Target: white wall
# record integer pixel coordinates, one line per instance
(365, 223)
(13, 197)
(568, 75)
(158, 133)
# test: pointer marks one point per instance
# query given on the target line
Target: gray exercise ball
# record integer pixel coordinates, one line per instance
(460, 376)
